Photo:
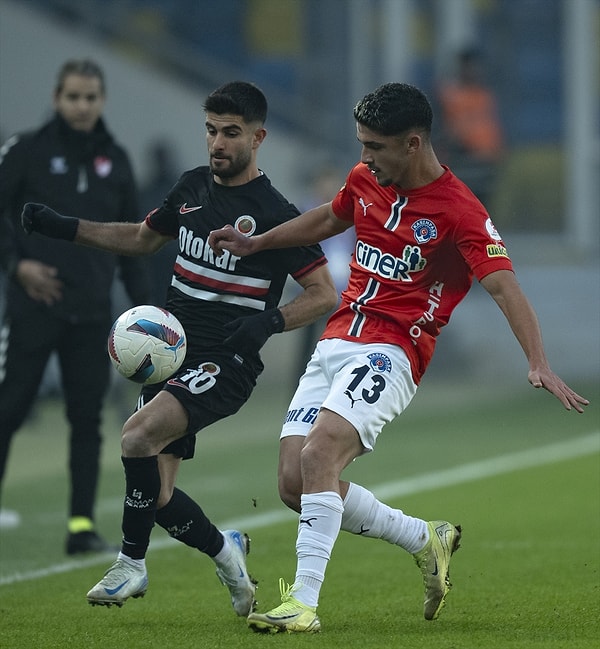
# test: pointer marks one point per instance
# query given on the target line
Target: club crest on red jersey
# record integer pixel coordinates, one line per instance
(424, 230)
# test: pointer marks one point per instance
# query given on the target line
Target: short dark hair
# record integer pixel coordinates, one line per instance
(394, 108)
(238, 98)
(83, 67)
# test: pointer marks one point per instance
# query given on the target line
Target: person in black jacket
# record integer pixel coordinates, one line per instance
(58, 296)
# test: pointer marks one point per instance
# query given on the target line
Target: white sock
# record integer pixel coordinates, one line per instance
(138, 563)
(224, 553)
(367, 516)
(318, 527)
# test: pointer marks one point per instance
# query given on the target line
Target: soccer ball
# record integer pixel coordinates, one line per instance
(146, 344)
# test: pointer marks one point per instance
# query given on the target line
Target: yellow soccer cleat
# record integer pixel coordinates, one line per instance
(434, 562)
(291, 616)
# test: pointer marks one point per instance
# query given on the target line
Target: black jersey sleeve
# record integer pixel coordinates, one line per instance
(165, 219)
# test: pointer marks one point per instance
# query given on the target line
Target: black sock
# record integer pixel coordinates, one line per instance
(142, 483)
(185, 521)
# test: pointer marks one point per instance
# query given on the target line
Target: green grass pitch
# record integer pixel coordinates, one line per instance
(521, 475)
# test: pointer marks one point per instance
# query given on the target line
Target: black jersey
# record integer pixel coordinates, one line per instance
(208, 291)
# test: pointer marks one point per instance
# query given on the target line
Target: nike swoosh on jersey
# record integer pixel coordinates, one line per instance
(184, 209)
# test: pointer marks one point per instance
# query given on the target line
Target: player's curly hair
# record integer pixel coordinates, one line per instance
(238, 98)
(394, 108)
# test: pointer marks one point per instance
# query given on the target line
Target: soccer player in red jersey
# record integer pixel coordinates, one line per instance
(421, 237)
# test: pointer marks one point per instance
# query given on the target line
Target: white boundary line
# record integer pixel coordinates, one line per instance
(469, 472)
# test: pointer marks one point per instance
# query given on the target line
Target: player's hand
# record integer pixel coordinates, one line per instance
(250, 333)
(556, 386)
(228, 238)
(40, 218)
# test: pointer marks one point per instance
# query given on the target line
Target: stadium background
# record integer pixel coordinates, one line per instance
(314, 59)
(478, 446)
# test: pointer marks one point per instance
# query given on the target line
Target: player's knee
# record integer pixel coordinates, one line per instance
(317, 452)
(134, 441)
(290, 492)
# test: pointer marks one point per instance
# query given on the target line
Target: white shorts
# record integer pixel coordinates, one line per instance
(369, 385)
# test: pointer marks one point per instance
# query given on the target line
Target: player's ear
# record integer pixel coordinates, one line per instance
(413, 142)
(259, 135)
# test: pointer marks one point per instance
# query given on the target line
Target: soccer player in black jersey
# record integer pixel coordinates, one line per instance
(228, 306)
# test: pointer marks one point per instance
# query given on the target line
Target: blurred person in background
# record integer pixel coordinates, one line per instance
(58, 298)
(228, 309)
(472, 139)
(421, 238)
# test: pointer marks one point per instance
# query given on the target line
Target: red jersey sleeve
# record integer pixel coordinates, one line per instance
(343, 202)
(481, 245)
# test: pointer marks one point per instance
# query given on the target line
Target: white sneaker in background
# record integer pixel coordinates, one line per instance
(9, 519)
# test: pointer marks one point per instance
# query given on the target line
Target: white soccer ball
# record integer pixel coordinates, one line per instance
(147, 344)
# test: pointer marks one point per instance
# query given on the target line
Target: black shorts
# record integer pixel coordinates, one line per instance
(210, 388)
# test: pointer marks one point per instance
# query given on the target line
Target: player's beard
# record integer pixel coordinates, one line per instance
(236, 165)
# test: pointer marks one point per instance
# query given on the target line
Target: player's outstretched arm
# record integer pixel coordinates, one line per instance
(502, 285)
(228, 238)
(306, 229)
(120, 238)
(40, 218)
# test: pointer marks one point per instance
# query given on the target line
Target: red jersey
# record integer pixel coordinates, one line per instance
(415, 257)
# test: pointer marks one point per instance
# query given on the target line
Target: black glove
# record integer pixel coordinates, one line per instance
(250, 333)
(42, 219)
